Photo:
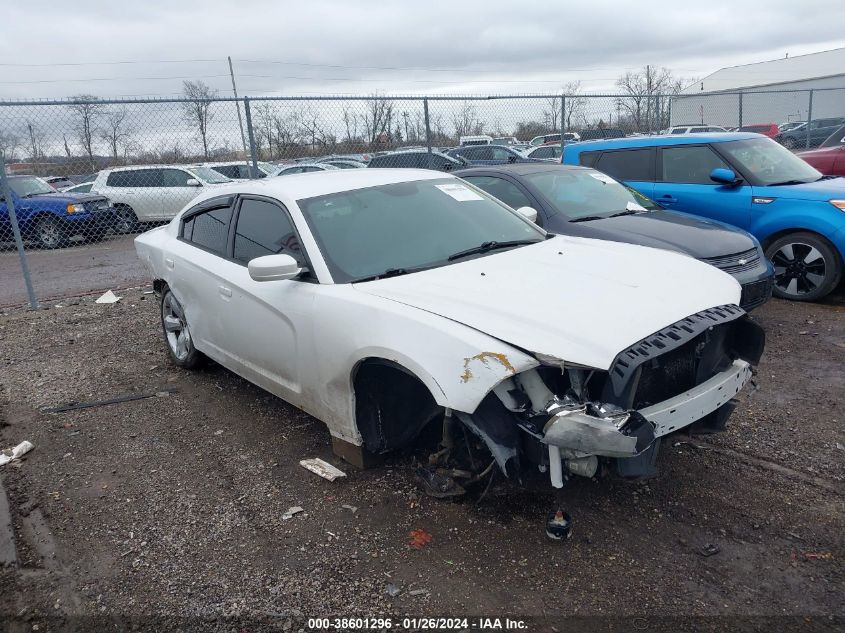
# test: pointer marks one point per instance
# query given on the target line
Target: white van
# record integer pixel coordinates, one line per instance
(476, 140)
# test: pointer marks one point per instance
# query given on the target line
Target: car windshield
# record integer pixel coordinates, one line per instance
(584, 193)
(206, 174)
(27, 186)
(769, 162)
(836, 139)
(409, 225)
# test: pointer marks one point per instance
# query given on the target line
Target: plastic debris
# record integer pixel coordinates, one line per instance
(108, 297)
(291, 512)
(559, 525)
(352, 509)
(322, 468)
(419, 538)
(392, 590)
(17, 452)
(709, 550)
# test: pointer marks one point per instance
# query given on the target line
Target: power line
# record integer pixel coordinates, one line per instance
(158, 61)
(59, 81)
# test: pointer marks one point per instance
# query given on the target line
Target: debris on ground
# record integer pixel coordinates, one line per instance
(291, 512)
(15, 452)
(322, 468)
(418, 592)
(559, 525)
(419, 538)
(709, 550)
(108, 297)
(818, 555)
(392, 590)
(352, 509)
(73, 406)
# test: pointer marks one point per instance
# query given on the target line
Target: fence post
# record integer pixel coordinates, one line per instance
(427, 126)
(809, 121)
(252, 152)
(13, 218)
(562, 118)
(668, 112)
(740, 108)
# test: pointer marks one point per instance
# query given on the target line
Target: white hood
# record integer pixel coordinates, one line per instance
(580, 300)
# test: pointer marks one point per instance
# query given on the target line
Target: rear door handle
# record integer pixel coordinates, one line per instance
(225, 292)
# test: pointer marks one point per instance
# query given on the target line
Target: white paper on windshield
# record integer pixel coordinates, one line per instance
(603, 178)
(633, 206)
(459, 192)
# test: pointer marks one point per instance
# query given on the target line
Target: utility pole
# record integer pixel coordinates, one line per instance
(238, 105)
(405, 116)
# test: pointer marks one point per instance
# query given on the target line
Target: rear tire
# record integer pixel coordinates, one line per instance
(807, 267)
(125, 219)
(177, 334)
(49, 232)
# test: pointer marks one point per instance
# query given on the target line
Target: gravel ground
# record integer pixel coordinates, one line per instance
(173, 506)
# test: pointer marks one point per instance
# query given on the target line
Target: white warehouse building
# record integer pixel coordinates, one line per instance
(776, 91)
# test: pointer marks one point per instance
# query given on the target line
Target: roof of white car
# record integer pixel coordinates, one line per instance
(318, 183)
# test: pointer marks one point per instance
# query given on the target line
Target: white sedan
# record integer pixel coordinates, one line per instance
(382, 301)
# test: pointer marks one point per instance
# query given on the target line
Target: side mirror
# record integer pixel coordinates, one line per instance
(273, 268)
(725, 176)
(529, 213)
(511, 158)
(192, 182)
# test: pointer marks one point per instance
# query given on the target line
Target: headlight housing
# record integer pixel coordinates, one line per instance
(76, 208)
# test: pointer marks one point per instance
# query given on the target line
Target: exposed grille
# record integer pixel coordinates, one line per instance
(735, 263)
(756, 293)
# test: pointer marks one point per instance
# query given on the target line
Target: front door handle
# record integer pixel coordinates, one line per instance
(668, 199)
(225, 292)
(169, 262)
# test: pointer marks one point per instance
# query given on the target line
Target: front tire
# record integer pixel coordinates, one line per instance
(807, 267)
(125, 219)
(50, 232)
(177, 334)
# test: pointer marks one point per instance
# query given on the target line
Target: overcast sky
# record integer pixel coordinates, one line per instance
(397, 47)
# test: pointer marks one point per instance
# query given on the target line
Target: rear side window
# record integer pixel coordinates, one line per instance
(209, 229)
(264, 228)
(588, 159)
(230, 171)
(628, 164)
(690, 164)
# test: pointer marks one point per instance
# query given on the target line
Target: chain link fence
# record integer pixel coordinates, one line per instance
(83, 176)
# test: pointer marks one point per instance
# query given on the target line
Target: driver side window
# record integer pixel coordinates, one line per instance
(690, 164)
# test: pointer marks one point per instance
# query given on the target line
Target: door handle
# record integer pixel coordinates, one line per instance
(668, 199)
(169, 262)
(225, 292)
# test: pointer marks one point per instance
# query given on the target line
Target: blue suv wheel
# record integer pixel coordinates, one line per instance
(806, 266)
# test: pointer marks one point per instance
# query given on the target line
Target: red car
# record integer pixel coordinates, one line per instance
(766, 129)
(829, 157)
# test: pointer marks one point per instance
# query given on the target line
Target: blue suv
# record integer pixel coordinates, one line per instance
(50, 217)
(743, 179)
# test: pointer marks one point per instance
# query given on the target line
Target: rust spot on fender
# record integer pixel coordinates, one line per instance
(486, 357)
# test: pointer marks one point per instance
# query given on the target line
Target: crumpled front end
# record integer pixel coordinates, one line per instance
(568, 419)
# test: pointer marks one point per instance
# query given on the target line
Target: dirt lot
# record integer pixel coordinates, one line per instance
(71, 271)
(172, 507)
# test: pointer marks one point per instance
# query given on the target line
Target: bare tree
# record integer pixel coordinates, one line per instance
(9, 144)
(377, 120)
(466, 121)
(36, 141)
(115, 131)
(551, 114)
(573, 104)
(350, 123)
(641, 87)
(197, 111)
(87, 112)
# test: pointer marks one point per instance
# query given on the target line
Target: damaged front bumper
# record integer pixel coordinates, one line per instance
(578, 435)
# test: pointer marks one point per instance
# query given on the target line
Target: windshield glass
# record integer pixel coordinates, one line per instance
(836, 139)
(25, 186)
(206, 174)
(407, 225)
(769, 162)
(581, 193)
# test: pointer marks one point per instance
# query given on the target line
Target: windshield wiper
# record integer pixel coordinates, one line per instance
(35, 193)
(790, 182)
(589, 218)
(485, 247)
(390, 272)
(625, 212)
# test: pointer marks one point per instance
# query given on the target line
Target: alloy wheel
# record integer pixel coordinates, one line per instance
(799, 268)
(175, 327)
